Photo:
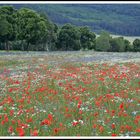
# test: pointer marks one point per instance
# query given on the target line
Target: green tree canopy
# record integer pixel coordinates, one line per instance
(7, 25)
(87, 38)
(26, 29)
(32, 27)
(68, 38)
(136, 44)
(128, 45)
(118, 44)
(103, 42)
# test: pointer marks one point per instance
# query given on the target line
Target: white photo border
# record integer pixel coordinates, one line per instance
(69, 2)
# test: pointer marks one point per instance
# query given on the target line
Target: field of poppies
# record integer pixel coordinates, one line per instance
(62, 94)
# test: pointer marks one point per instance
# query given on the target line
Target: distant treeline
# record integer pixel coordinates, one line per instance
(28, 30)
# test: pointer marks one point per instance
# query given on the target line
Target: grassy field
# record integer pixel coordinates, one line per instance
(69, 94)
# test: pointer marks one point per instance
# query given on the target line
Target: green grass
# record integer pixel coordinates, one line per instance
(4, 63)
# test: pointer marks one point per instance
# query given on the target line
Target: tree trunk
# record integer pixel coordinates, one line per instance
(28, 46)
(11, 45)
(22, 45)
(46, 46)
(7, 46)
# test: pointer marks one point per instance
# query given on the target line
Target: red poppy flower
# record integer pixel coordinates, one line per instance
(114, 135)
(34, 133)
(113, 126)
(20, 131)
(10, 129)
(101, 129)
(50, 117)
(46, 122)
(121, 106)
(138, 130)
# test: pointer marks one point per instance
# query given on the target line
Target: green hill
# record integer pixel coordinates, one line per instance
(122, 19)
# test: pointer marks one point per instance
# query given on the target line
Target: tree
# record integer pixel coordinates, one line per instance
(87, 38)
(121, 43)
(7, 25)
(118, 44)
(51, 37)
(68, 38)
(136, 44)
(128, 46)
(32, 28)
(114, 45)
(103, 42)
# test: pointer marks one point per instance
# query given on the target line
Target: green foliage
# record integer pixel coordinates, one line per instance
(128, 46)
(136, 45)
(87, 38)
(118, 44)
(26, 29)
(122, 19)
(5, 29)
(52, 37)
(68, 38)
(7, 25)
(103, 42)
(31, 27)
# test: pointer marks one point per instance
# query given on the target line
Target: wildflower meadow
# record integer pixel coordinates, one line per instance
(50, 95)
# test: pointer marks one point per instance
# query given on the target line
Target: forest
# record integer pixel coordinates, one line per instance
(29, 30)
(120, 19)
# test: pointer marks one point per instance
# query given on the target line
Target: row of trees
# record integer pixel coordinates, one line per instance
(25, 30)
